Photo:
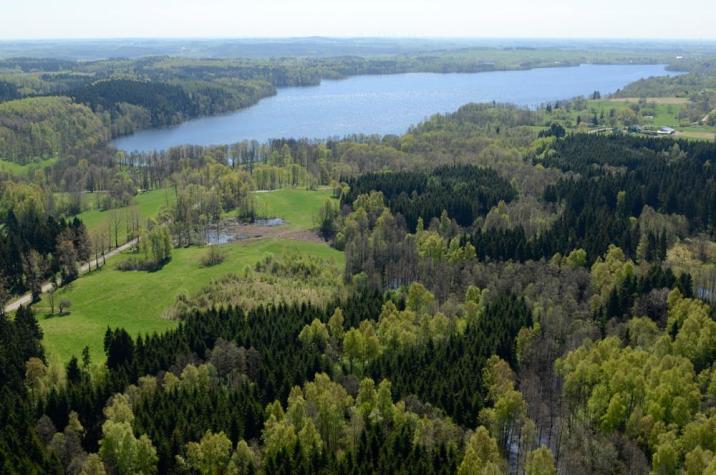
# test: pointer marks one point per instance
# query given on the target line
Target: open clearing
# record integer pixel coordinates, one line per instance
(148, 205)
(297, 207)
(137, 300)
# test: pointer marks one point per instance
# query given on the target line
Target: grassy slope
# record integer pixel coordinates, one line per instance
(136, 300)
(291, 205)
(148, 204)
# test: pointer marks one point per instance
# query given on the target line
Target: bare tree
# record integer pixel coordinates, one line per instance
(51, 297)
(64, 305)
(115, 219)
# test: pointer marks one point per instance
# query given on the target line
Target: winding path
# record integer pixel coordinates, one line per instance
(84, 268)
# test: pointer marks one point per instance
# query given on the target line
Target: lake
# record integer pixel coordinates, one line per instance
(386, 104)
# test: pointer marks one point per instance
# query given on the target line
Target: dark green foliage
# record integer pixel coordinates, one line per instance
(276, 363)
(555, 130)
(623, 297)
(168, 104)
(40, 234)
(464, 191)
(20, 448)
(8, 91)
(673, 177)
(449, 374)
(174, 418)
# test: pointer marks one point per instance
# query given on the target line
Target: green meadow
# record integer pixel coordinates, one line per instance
(148, 205)
(17, 169)
(298, 207)
(136, 300)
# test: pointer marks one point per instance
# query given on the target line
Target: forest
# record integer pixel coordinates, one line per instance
(497, 290)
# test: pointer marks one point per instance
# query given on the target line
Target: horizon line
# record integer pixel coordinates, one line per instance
(367, 37)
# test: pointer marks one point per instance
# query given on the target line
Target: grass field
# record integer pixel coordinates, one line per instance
(148, 204)
(136, 300)
(17, 169)
(298, 207)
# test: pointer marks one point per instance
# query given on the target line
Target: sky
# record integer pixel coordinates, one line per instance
(644, 19)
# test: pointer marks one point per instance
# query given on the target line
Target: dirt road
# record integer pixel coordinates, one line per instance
(84, 268)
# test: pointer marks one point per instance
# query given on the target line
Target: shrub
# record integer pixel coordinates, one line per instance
(214, 256)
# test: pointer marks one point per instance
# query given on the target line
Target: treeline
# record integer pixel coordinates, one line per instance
(35, 246)
(619, 177)
(128, 105)
(465, 192)
(21, 450)
(44, 127)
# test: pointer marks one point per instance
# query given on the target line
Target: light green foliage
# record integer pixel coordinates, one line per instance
(331, 401)
(279, 435)
(196, 377)
(610, 271)
(651, 390)
(395, 328)
(324, 417)
(26, 200)
(432, 245)
(156, 246)
(540, 462)
(290, 277)
(577, 258)
(310, 440)
(335, 324)
(696, 339)
(44, 127)
(119, 409)
(482, 456)
(203, 195)
(361, 344)
(119, 448)
(700, 462)
(419, 299)
(314, 334)
(211, 455)
(508, 412)
(93, 465)
(243, 461)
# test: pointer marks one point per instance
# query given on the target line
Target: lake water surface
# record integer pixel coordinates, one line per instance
(386, 104)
